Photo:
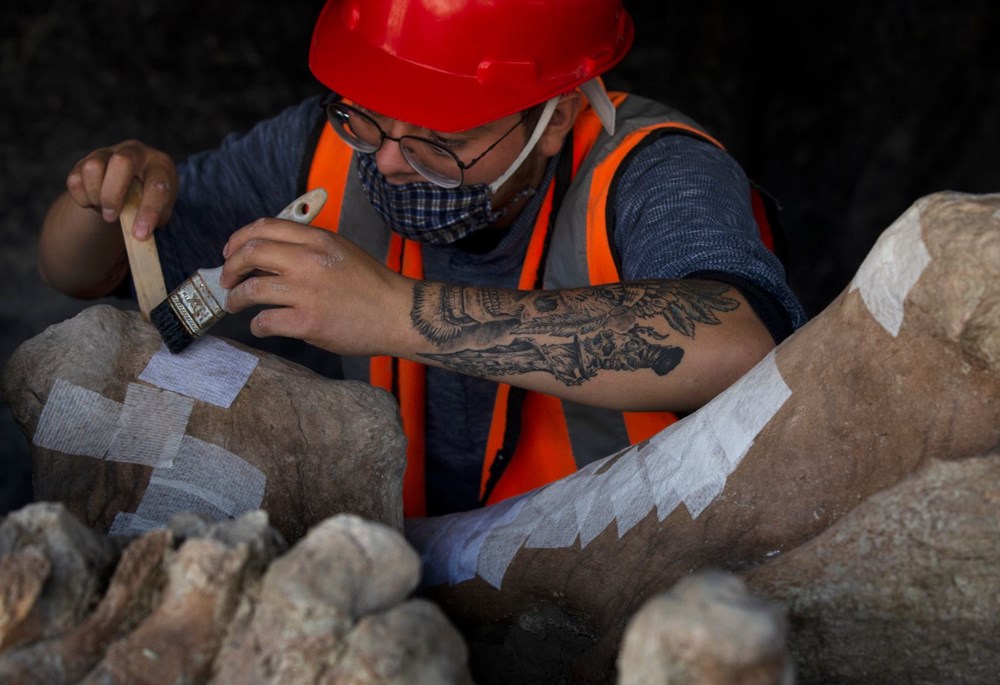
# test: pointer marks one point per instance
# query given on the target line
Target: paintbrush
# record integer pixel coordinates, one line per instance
(143, 259)
(197, 303)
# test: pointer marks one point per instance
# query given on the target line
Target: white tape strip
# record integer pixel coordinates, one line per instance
(631, 494)
(150, 427)
(131, 524)
(593, 513)
(209, 369)
(689, 463)
(892, 268)
(499, 549)
(551, 509)
(450, 545)
(160, 502)
(205, 479)
(76, 420)
(187, 490)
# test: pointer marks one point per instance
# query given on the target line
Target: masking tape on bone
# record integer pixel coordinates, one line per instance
(150, 426)
(556, 525)
(205, 479)
(209, 370)
(126, 523)
(76, 420)
(688, 462)
(891, 269)
(450, 545)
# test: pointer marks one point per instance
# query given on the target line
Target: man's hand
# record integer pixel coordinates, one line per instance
(319, 287)
(100, 181)
(80, 249)
(660, 345)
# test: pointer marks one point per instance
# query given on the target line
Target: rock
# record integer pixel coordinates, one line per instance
(134, 590)
(409, 644)
(72, 561)
(310, 599)
(905, 588)
(22, 575)
(902, 368)
(164, 612)
(706, 630)
(126, 435)
(232, 604)
(205, 580)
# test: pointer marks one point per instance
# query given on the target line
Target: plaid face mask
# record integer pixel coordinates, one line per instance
(425, 212)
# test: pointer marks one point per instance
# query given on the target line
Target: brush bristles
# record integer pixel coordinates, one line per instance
(174, 335)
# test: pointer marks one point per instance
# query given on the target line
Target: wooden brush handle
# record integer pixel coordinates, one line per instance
(143, 258)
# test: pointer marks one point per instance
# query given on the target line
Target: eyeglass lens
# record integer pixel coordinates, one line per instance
(363, 133)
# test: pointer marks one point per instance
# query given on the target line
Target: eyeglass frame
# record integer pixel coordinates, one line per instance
(333, 100)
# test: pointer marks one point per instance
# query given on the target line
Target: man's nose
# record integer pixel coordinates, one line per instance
(390, 160)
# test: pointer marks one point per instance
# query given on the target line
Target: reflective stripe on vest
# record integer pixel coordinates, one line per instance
(556, 437)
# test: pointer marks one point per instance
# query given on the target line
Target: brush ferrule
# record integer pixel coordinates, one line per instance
(195, 305)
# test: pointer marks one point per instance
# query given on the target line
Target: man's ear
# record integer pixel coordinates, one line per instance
(560, 124)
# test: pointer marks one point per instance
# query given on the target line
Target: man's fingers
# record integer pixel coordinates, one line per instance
(262, 289)
(267, 228)
(262, 255)
(101, 181)
(158, 194)
(272, 245)
(118, 174)
(87, 177)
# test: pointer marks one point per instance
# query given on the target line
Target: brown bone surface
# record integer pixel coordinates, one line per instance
(905, 588)
(866, 408)
(323, 446)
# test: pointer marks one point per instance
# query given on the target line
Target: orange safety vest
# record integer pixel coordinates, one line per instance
(572, 249)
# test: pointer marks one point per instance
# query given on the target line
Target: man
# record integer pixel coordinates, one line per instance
(517, 256)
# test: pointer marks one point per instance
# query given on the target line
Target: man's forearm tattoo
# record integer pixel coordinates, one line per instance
(571, 334)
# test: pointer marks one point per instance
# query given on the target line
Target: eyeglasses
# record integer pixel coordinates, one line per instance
(429, 158)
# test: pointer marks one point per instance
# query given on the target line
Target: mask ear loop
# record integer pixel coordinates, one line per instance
(543, 121)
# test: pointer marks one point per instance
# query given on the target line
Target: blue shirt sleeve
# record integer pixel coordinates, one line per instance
(250, 175)
(682, 210)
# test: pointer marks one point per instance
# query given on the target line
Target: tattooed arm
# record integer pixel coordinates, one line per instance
(640, 345)
(650, 344)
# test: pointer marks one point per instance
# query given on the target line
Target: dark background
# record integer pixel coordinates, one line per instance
(847, 112)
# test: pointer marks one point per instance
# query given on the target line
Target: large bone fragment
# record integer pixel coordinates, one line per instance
(204, 582)
(905, 588)
(230, 603)
(126, 434)
(52, 568)
(904, 366)
(134, 589)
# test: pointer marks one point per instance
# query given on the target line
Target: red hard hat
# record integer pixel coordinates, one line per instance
(451, 65)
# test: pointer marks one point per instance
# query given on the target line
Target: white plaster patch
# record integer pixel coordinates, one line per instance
(688, 462)
(209, 369)
(450, 545)
(131, 524)
(150, 427)
(76, 420)
(891, 269)
(205, 479)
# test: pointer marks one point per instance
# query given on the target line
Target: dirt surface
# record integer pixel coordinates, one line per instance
(845, 112)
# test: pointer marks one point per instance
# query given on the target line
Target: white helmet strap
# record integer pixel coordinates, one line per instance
(543, 121)
(599, 100)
